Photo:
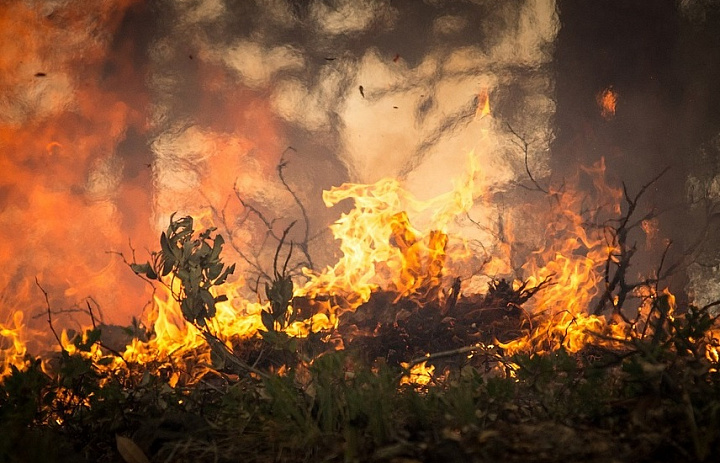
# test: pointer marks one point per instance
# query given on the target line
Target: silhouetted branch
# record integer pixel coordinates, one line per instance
(303, 245)
(617, 288)
(49, 314)
(524, 145)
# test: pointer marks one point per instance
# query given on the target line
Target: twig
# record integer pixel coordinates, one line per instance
(524, 145)
(453, 297)
(619, 235)
(277, 252)
(49, 313)
(269, 224)
(710, 305)
(443, 354)
(109, 349)
(220, 347)
(92, 316)
(304, 243)
(126, 262)
(223, 220)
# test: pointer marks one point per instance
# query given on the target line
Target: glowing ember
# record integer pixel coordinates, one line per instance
(651, 229)
(607, 100)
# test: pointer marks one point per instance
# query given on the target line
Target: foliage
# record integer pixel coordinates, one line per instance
(657, 400)
(195, 262)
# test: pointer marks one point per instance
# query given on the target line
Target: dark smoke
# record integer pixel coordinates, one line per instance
(663, 59)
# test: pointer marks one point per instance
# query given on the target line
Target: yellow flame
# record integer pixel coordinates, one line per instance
(13, 348)
(420, 374)
(571, 266)
(379, 245)
(382, 246)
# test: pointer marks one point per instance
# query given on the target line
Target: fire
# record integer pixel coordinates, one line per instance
(483, 106)
(607, 100)
(380, 247)
(420, 374)
(392, 241)
(13, 349)
(712, 347)
(571, 267)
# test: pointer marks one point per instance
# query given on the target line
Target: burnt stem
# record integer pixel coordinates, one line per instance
(49, 314)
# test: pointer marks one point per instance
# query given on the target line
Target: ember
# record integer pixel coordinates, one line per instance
(607, 100)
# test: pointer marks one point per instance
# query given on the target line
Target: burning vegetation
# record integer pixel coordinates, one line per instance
(422, 342)
(483, 311)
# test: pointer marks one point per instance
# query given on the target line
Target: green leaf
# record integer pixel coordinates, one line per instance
(214, 270)
(140, 268)
(168, 264)
(187, 250)
(187, 310)
(172, 226)
(207, 299)
(165, 245)
(217, 247)
(184, 222)
(195, 276)
(228, 271)
(183, 274)
(145, 269)
(285, 289)
(267, 320)
(152, 274)
(204, 251)
(206, 234)
(129, 450)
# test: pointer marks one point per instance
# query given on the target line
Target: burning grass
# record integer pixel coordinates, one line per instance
(385, 356)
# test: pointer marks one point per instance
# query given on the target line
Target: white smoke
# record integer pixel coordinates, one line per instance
(410, 118)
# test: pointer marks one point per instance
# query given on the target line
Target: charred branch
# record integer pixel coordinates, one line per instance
(254, 257)
(620, 254)
(49, 314)
(524, 145)
(302, 244)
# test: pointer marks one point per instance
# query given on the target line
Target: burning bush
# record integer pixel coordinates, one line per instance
(384, 356)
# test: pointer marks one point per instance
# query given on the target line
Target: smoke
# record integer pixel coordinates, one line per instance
(117, 114)
(359, 90)
(662, 59)
(70, 189)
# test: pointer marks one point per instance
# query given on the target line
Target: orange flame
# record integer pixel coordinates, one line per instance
(483, 106)
(572, 262)
(607, 100)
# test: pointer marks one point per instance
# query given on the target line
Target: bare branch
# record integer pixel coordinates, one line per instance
(617, 288)
(49, 314)
(304, 243)
(524, 146)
